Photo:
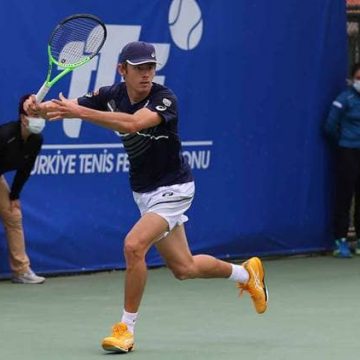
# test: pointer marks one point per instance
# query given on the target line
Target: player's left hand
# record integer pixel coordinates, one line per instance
(63, 108)
(34, 109)
(31, 106)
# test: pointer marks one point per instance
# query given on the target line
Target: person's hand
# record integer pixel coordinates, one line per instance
(63, 108)
(15, 206)
(38, 110)
(31, 106)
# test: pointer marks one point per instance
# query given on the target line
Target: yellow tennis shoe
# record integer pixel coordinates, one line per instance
(256, 284)
(120, 341)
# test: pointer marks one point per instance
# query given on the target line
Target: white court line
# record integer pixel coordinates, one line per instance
(113, 145)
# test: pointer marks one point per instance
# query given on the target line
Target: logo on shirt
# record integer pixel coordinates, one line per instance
(160, 108)
(167, 102)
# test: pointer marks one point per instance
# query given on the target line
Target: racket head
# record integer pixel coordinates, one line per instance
(76, 40)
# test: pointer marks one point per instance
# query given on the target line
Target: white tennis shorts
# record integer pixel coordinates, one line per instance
(170, 202)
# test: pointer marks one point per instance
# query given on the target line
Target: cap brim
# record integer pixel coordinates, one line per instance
(142, 61)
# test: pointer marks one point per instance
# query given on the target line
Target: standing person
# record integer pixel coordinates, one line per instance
(20, 143)
(343, 128)
(356, 218)
(145, 113)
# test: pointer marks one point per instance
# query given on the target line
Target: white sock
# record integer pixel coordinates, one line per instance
(239, 273)
(129, 319)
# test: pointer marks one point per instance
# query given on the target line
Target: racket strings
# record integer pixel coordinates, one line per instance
(76, 40)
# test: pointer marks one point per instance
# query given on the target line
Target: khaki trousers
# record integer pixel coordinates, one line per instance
(12, 220)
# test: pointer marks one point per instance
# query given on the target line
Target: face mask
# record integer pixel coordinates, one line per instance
(356, 85)
(36, 125)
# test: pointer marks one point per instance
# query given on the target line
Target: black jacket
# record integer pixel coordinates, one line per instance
(17, 154)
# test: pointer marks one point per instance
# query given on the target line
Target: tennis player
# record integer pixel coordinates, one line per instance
(146, 116)
(20, 143)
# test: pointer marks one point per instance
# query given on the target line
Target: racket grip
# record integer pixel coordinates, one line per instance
(42, 93)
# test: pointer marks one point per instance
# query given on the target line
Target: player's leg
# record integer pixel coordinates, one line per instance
(175, 250)
(177, 255)
(19, 262)
(357, 218)
(346, 168)
(18, 259)
(137, 243)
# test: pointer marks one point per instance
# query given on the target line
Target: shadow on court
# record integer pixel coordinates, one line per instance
(313, 314)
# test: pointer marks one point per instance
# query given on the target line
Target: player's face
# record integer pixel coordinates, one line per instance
(138, 78)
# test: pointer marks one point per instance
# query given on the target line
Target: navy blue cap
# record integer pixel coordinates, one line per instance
(137, 53)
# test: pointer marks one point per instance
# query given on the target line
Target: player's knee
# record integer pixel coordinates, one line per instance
(133, 250)
(184, 272)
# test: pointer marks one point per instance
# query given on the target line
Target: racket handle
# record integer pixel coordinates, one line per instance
(42, 93)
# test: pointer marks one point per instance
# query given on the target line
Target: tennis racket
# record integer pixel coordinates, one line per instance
(73, 43)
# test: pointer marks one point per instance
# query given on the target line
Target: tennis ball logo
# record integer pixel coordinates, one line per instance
(186, 24)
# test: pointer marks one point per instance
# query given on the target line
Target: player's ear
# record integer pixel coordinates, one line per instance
(122, 69)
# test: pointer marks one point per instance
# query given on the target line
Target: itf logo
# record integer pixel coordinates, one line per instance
(185, 25)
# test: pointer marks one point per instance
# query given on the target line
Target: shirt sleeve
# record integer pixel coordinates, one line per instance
(165, 104)
(336, 113)
(96, 100)
(5, 135)
(31, 149)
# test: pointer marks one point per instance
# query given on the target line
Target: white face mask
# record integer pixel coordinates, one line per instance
(36, 125)
(356, 85)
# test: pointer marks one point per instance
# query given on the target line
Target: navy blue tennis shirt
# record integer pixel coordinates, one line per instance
(155, 153)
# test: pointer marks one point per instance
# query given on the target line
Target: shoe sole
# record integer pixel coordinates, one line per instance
(263, 280)
(265, 289)
(117, 349)
(15, 281)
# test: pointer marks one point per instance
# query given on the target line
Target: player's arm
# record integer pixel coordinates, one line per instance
(117, 121)
(30, 151)
(333, 121)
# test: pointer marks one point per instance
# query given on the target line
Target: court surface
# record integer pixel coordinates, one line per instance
(313, 314)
